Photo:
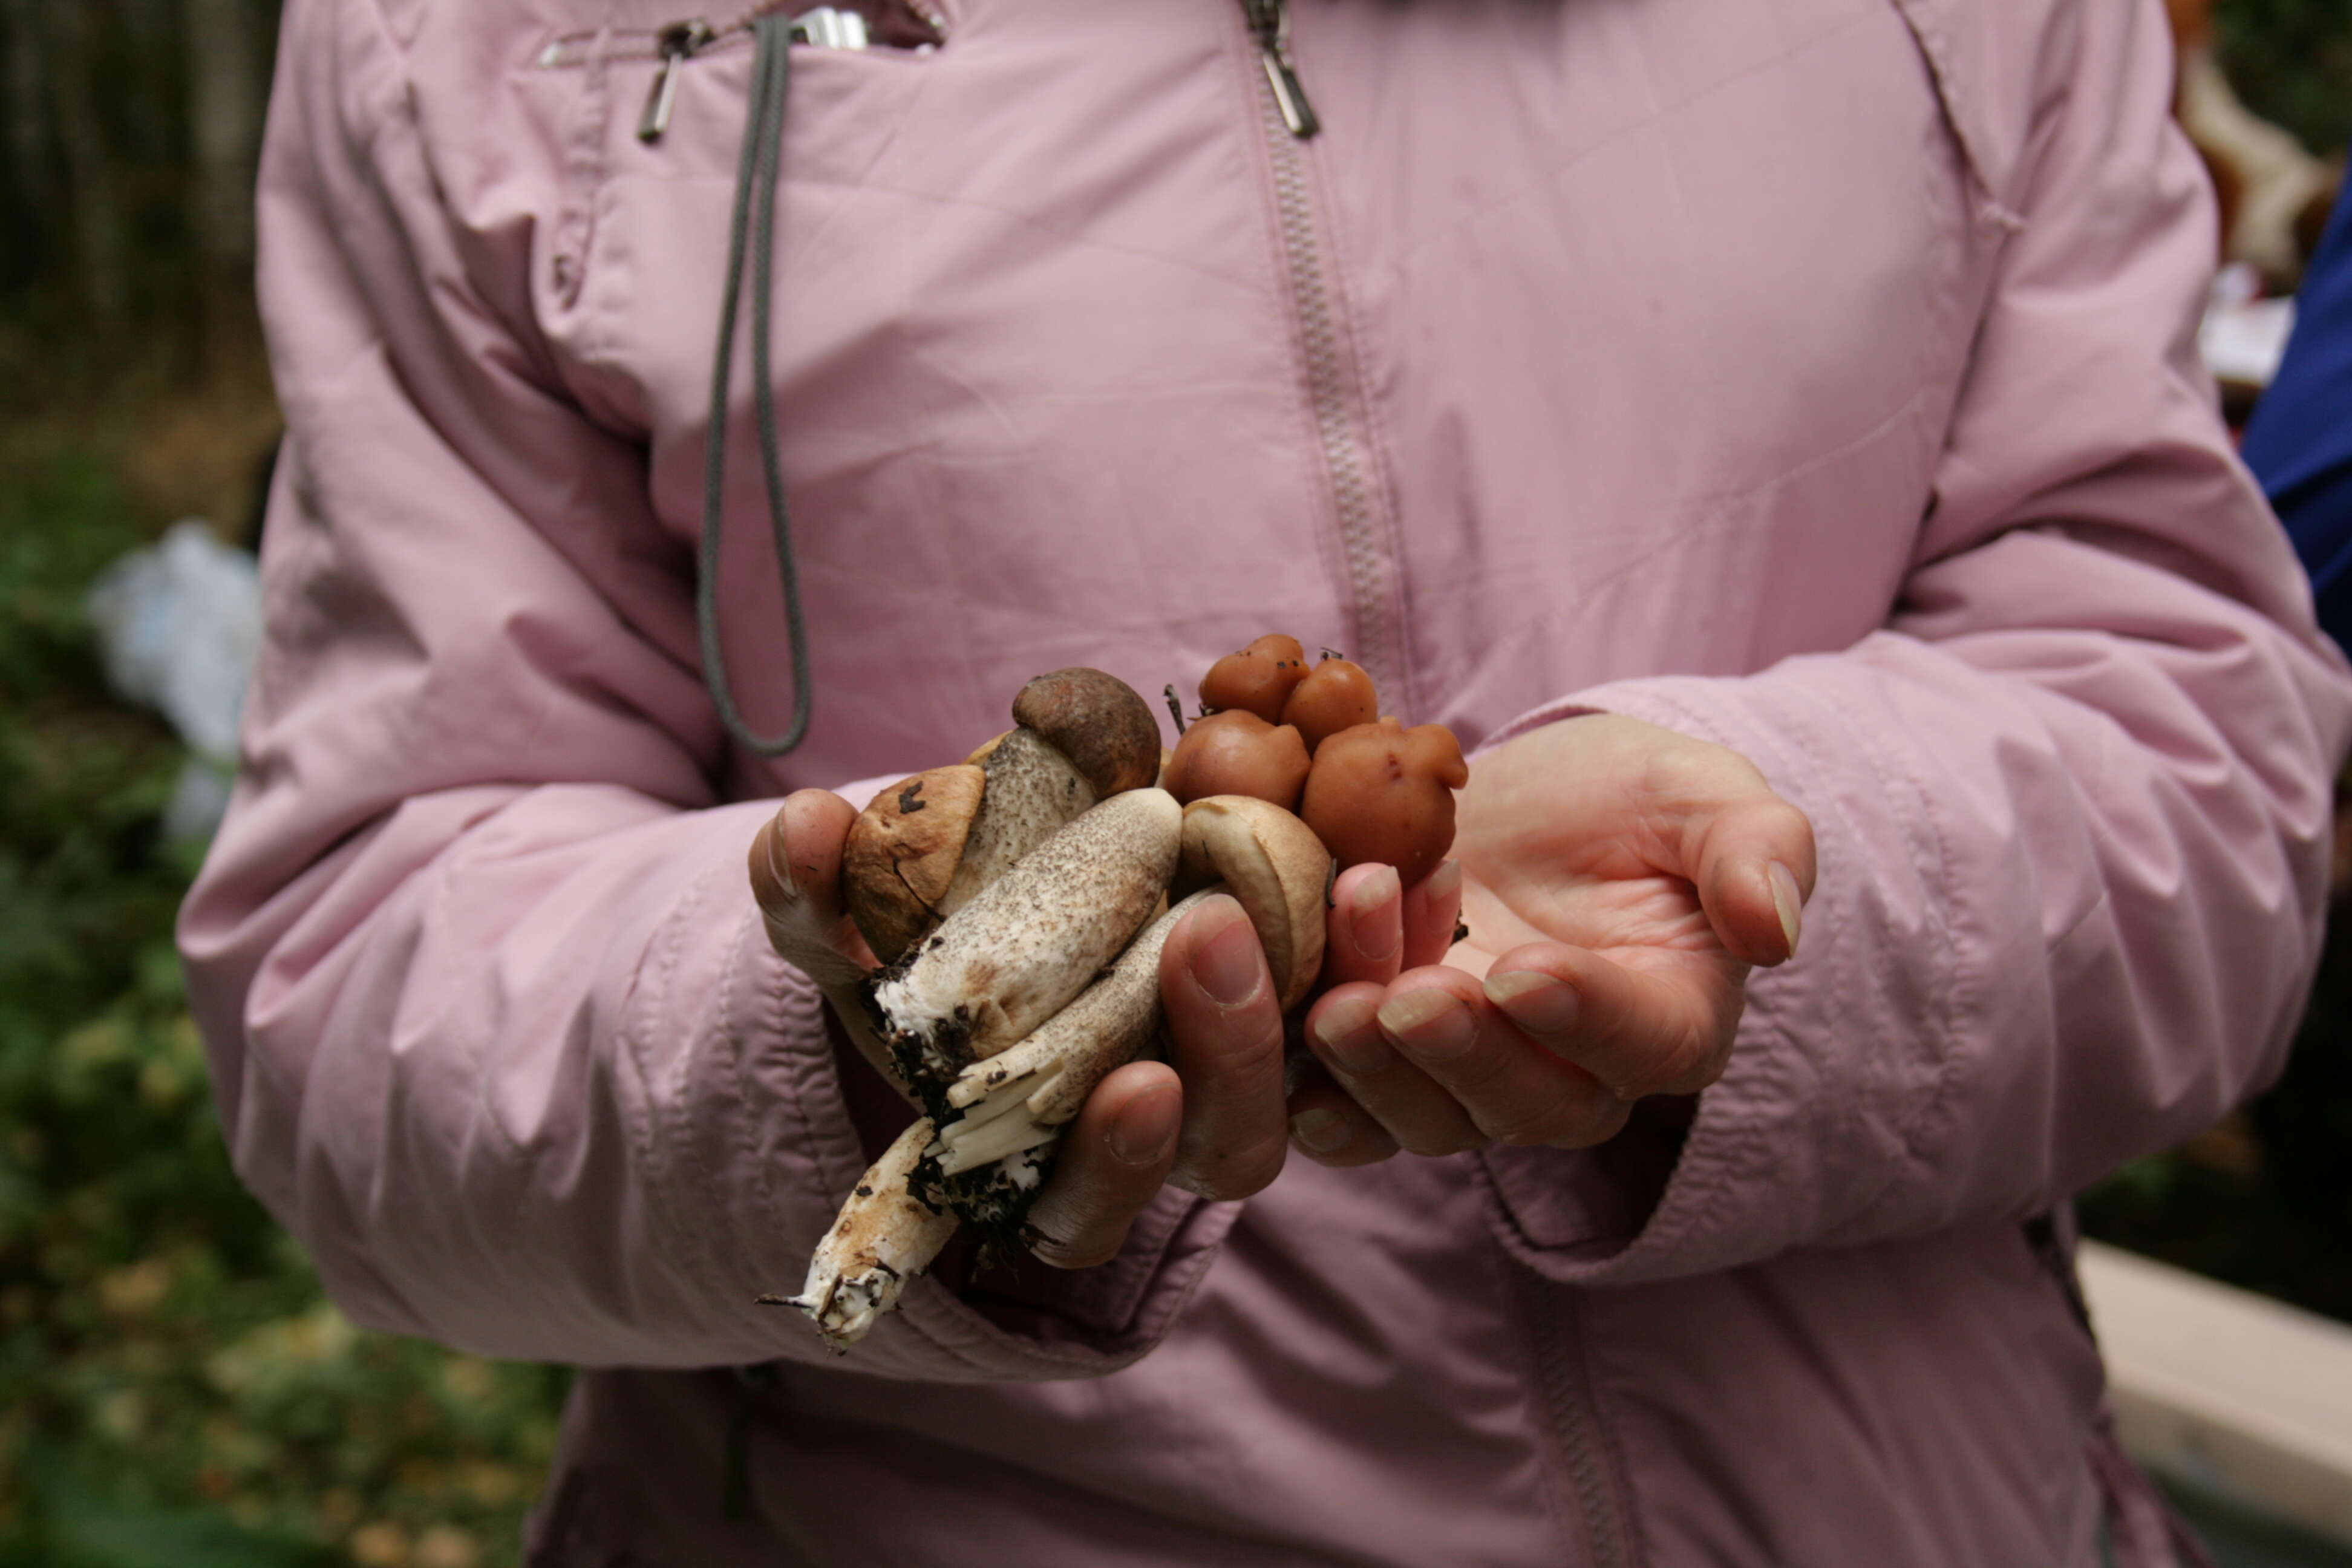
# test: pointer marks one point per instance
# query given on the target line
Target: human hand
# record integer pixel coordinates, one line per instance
(1619, 881)
(1213, 1122)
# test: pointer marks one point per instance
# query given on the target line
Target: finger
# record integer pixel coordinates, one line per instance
(1432, 914)
(1513, 1089)
(1328, 1127)
(1114, 1159)
(1640, 1032)
(795, 866)
(1224, 1030)
(1343, 1030)
(1365, 927)
(1747, 852)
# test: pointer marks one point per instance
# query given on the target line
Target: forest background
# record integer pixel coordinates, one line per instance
(174, 1391)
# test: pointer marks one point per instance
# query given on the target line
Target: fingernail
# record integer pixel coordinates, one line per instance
(1350, 1041)
(1227, 965)
(1428, 1022)
(1785, 899)
(1146, 1125)
(1376, 915)
(779, 864)
(1443, 882)
(1536, 1002)
(1319, 1132)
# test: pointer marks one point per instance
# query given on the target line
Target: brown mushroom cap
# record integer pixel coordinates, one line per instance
(1336, 695)
(902, 853)
(1237, 753)
(1274, 868)
(1096, 721)
(1257, 679)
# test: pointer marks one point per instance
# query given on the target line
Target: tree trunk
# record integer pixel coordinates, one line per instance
(28, 140)
(225, 106)
(96, 208)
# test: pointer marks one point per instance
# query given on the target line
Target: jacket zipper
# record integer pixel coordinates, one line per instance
(1291, 121)
(1567, 1394)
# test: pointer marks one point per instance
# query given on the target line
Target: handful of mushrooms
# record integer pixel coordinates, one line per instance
(1018, 902)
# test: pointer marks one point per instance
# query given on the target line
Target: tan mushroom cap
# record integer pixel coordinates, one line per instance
(902, 852)
(1274, 868)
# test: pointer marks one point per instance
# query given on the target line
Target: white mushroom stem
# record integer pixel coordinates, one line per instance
(1003, 1102)
(987, 1145)
(1032, 939)
(1031, 791)
(884, 1238)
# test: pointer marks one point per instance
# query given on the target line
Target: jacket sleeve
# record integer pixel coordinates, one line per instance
(2072, 802)
(495, 1028)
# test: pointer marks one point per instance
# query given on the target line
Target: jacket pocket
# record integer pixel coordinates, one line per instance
(671, 101)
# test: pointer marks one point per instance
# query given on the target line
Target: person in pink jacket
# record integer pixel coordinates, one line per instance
(1770, 435)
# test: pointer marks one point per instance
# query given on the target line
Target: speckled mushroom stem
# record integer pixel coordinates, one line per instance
(885, 1237)
(1029, 941)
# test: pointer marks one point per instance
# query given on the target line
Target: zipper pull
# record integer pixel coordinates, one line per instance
(1270, 20)
(676, 42)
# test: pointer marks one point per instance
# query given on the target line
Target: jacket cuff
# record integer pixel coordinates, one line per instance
(1740, 1181)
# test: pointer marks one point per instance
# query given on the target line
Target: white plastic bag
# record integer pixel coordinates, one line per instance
(178, 626)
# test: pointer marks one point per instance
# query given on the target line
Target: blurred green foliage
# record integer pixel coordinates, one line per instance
(2290, 61)
(173, 1390)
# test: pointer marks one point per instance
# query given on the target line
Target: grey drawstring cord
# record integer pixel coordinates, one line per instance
(755, 212)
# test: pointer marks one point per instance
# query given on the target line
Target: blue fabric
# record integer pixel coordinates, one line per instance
(2299, 441)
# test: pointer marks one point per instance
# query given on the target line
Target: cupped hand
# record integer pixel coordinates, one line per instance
(1211, 1119)
(1619, 881)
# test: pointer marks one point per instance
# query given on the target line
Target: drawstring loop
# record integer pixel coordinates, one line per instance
(755, 215)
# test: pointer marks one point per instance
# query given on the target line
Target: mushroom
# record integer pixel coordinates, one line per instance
(1276, 869)
(1030, 940)
(1256, 679)
(914, 859)
(1383, 793)
(902, 855)
(1237, 753)
(1336, 695)
(998, 1112)
(885, 1237)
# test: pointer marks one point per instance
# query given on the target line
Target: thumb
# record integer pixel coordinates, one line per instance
(1751, 859)
(795, 869)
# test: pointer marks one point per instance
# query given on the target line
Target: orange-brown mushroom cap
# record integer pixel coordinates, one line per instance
(1384, 794)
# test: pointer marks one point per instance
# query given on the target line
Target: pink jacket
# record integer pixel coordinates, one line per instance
(1815, 378)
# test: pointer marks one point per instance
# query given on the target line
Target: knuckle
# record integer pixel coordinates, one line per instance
(1226, 1177)
(1532, 1129)
(1780, 819)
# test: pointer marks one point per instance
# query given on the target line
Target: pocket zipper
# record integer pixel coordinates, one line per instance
(823, 26)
